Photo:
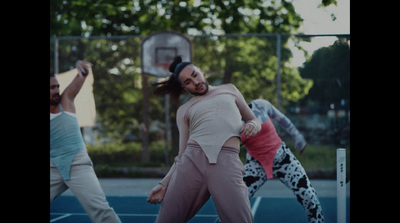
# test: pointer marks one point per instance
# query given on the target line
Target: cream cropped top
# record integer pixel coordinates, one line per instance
(211, 119)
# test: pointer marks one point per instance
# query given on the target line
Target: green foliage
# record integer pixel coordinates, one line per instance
(294, 87)
(123, 17)
(329, 67)
(315, 157)
(249, 63)
(126, 154)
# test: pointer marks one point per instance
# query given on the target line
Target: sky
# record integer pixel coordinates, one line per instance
(318, 20)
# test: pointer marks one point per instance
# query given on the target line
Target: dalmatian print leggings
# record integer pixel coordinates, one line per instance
(290, 172)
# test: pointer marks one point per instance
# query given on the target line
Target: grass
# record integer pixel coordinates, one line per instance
(315, 158)
(126, 154)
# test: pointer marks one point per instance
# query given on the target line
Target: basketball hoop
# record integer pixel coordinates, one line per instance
(159, 50)
(164, 65)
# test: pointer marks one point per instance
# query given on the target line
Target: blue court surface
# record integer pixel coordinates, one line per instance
(65, 209)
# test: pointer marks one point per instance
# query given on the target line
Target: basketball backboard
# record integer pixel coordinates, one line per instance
(159, 50)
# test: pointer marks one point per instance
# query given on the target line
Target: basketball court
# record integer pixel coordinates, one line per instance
(272, 203)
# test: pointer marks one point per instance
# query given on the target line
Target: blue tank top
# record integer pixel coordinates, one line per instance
(65, 141)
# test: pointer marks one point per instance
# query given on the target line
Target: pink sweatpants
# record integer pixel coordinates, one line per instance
(195, 180)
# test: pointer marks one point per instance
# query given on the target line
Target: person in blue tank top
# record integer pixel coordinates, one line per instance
(70, 164)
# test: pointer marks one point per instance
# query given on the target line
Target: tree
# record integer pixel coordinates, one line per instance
(240, 60)
(130, 17)
(329, 67)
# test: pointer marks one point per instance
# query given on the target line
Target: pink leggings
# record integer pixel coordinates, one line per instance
(195, 180)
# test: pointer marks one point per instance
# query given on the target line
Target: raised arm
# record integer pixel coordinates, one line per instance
(70, 92)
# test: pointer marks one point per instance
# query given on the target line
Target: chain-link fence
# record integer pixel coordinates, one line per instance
(306, 76)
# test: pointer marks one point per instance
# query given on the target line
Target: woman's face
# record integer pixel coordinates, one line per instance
(193, 80)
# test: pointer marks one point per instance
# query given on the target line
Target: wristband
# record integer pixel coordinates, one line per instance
(251, 122)
(85, 72)
(254, 124)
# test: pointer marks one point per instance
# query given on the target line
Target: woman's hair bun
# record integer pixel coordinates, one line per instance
(172, 66)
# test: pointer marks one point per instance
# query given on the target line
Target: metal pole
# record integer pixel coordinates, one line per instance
(341, 184)
(55, 55)
(167, 129)
(278, 72)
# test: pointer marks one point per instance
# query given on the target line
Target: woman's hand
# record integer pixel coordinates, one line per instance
(83, 67)
(156, 195)
(249, 129)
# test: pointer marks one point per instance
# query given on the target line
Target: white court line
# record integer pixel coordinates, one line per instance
(61, 217)
(255, 206)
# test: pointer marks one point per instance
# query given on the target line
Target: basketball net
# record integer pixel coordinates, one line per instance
(164, 65)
